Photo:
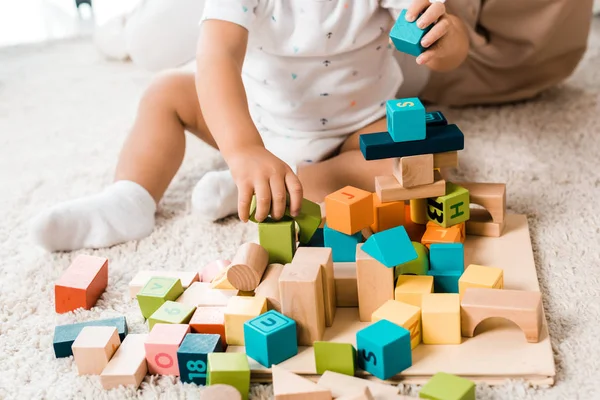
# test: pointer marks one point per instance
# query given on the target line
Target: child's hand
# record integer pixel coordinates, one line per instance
(447, 42)
(257, 171)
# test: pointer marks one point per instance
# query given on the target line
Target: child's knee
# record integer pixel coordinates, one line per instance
(168, 87)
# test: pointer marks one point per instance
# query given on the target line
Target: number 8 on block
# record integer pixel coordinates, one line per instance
(192, 356)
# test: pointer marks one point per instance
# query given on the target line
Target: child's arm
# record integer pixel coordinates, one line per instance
(220, 56)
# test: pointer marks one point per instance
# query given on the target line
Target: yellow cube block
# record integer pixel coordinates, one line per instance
(401, 314)
(239, 310)
(411, 288)
(479, 276)
(440, 318)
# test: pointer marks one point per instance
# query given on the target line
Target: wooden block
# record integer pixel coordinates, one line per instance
(156, 292)
(324, 258)
(278, 238)
(447, 386)
(200, 294)
(346, 289)
(301, 291)
(415, 231)
(142, 277)
(94, 347)
(402, 314)
(220, 392)
(375, 283)
(437, 234)
(524, 308)
(308, 220)
(389, 189)
(213, 269)
(343, 246)
(289, 386)
(411, 288)
(239, 310)
(270, 338)
(269, 286)
(344, 385)
(405, 119)
(447, 257)
(171, 312)
(387, 215)
(392, 247)
(248, 266)
(440, 318)
(378, 146)
(418, 266)
(349, 210)
(481, 224)
(192, 356)
(445, 281)
(414, 171)
(435, 118)
(383, 349)
(491, 196)
(361, 394)
(65, 335)
(366, 233)
(220, 281)
(418, 211)
(407, 36)
(209, 320)
(161, 348)
(448, 159)
(230, 369)
(128, 365)
(81, 285)
(451, 208)
(479, 276)
(336, 357)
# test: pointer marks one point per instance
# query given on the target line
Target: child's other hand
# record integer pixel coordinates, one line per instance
(447, 42)
(257, 171)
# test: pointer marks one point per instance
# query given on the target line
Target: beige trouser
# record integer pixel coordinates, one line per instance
(518, 47)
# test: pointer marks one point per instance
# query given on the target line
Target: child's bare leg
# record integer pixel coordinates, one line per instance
(149, 159)
(347, 168)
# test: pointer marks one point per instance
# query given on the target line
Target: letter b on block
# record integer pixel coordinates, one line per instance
(450, 209)
(270, 338)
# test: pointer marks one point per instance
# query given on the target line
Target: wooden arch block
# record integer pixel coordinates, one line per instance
(524, 308)
(248, 266)
(492, 197)
(289, 386)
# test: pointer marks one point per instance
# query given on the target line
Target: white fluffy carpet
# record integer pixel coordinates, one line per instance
(64, 113)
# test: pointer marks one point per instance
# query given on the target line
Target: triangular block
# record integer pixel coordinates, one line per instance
(392, 247)
(289, 386)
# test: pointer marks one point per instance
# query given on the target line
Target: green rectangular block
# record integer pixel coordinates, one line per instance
(443, 386)
(171, 313)
(229, 369)
(450, 209)
(156, 292)
(279, 239)
(335, 357)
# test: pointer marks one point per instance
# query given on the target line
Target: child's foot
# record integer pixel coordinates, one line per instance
(122, 212)
(215, 195)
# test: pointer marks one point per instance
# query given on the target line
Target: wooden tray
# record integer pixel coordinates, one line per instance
(497, 352)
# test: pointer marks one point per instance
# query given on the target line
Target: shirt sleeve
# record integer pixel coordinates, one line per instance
(395, 6)
(240, 12)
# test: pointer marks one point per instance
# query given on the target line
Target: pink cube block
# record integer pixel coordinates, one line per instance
(211, 270)
(161, 348)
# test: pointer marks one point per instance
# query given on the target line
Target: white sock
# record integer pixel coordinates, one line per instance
(124, 211)
(215, 195)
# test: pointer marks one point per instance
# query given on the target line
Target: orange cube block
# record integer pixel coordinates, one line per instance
(209, 320)
(349, 210)
(81, 284)
(415, 231)
(387, 215)
(437, 234)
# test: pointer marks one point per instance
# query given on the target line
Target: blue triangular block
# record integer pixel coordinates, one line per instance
(390, 247)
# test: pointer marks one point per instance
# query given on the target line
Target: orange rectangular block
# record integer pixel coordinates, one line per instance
(161, 348)
(437, 234)
(81, 284)
(349, 210)
(209, 320)
(387, 215)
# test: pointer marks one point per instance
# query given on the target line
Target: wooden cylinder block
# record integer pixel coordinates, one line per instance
(248, 266)
(269, 287)
(220, 392)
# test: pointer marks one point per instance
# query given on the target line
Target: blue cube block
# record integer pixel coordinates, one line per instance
(192, 356)
(406, 119)
(384, 349)
(435, 118)
(391, 247)
(65, 335)
(407, 36)
(270, 338)
(343, 246)
(447, 257)
(445, 281)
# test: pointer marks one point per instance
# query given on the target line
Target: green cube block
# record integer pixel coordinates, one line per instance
(335, 357)
(450, 209)
(229, 369)
(418, 266)
(171, 313)
(156, 292)
(279, 239)
(444, 386)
